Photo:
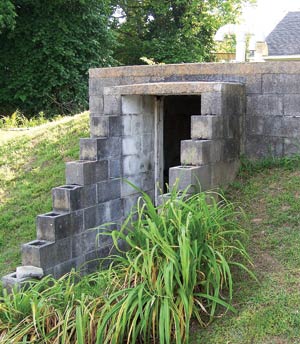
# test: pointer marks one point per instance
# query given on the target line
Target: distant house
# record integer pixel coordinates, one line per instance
(284, 41)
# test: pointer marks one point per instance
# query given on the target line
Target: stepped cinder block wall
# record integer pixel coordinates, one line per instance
(249, 108)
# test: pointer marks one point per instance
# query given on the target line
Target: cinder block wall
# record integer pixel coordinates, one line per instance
(272, 123)
(256, 113)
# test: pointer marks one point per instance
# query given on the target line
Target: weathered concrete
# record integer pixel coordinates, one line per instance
(248, 108)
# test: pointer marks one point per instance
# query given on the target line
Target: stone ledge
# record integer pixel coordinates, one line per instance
(251, 68)
(170, 88)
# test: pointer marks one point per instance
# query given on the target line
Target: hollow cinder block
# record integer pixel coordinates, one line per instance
(200, 152)
(40, 253)
(100, 148)
(198, 178)
(54, 226)
(108, 190)
(207, 127)
(73, 197)
(85, 172)
(11, 281)
(211, 103)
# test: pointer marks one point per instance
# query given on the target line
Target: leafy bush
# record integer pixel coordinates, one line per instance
(45, 58)
(177, 266)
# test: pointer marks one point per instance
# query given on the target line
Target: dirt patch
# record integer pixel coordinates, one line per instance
(264, 262)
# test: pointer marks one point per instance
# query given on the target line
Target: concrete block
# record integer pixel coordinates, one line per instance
(73, 197)
(89, 240)
(97, 215)
(115, 208)
(148, 181)
(127, 189)
(290, 127)
(291, 104)
(129, 202)
(231, 150)
(100, 148)
(131, 145)
(265, 125)
(85, 172)
(264, 105)
(53, 226)
(112, 105)
(96, 104)
(200, 152)
(39, 253)
(64, 268)
(197, 177)
(132, 165)
(115, 126)
(29, 271)
(281, 83)
(94, 260)
(77, 246)
(207, 127)
(11, 282)
(211, 103)
(263, 147)
(224, 173)
(63, 250)
(148, 105)
(253, 83)
(291, 146)
(132, 105)
(108, 190)
(99, 126)
(147, 124)
(148, 143)
(114, 168)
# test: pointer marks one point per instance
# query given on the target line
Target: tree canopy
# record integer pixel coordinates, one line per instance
(170, 31)
(47, 46)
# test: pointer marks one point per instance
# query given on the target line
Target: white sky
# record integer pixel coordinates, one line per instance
(263, 16)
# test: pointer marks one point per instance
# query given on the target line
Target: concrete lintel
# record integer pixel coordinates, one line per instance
(169, 88)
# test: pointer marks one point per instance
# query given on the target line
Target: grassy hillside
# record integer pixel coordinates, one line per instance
(268, 311)
(32, 162)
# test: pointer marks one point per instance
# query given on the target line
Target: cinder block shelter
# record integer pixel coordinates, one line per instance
(154, 125)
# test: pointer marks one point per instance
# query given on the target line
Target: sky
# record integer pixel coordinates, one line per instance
(267, 13)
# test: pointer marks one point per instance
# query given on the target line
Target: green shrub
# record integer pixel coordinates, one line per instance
(177, 266)
(46, 56)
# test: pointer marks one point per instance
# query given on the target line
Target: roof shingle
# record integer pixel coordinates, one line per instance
(285, 38)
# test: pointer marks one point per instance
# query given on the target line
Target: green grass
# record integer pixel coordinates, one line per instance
(268, 311)
(32, 162)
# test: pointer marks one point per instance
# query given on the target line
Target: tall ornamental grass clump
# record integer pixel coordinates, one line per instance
(176, 267)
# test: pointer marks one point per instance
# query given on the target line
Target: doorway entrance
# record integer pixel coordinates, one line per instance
(177, 112)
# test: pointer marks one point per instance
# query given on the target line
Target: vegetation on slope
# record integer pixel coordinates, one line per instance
(32, 162)
(268, 311)
(177, 267)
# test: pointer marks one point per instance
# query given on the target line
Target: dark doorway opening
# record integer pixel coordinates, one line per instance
(176, 127)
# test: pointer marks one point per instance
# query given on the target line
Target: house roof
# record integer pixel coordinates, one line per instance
(285, 38)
